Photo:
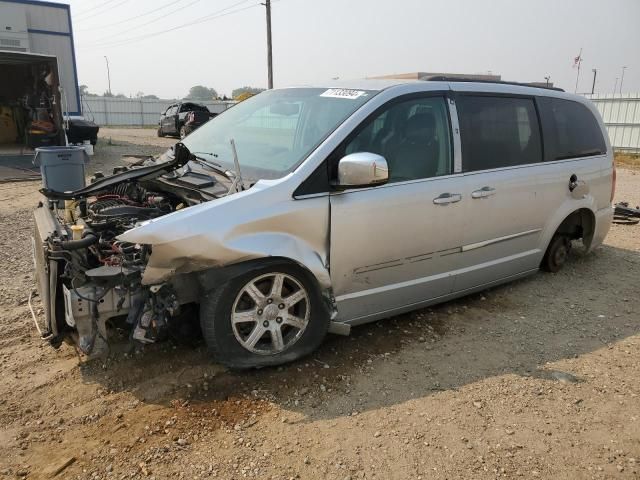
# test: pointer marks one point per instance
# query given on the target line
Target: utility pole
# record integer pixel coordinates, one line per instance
(593, 85)
(622, 78)
(615, 86)
(108, 73)
(267, 5)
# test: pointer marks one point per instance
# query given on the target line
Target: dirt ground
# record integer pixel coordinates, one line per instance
(535, 379)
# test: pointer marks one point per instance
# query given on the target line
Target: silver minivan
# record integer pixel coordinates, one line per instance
(313, 209)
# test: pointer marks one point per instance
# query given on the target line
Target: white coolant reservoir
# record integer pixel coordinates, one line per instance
(77, 231)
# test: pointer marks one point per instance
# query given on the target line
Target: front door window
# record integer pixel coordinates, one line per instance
(412, 135)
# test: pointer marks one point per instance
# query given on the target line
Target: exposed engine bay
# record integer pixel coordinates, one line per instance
(87, 276)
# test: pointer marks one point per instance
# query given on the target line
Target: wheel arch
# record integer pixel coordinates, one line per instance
(578, 223)
(213, 277)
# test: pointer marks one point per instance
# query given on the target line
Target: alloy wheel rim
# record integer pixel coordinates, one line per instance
(270, 313)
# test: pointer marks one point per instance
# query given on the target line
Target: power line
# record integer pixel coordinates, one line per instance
(102, 4)
(103, 11)
(100, 27)
(147, 23)
(206, 18)
(125, 41)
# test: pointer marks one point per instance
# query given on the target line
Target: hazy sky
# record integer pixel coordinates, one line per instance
(316, 40)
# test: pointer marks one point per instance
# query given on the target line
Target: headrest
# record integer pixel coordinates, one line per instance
(418, 123)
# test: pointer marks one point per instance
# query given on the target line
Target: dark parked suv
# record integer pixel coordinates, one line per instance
(180, 119)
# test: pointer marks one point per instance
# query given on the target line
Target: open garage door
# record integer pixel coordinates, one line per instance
(30, 110)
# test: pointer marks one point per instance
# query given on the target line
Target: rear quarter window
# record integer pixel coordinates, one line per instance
(570, 130)
(193, 107)
(199, 108)
(498, 132)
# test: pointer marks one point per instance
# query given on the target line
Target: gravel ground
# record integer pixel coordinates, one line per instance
(115, 142)
(535, 379)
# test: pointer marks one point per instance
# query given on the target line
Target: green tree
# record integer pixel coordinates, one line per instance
(199, 92)
(146, 97)
(84, 91)
(251, 90)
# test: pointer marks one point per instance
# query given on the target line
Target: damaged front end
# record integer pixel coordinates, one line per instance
(87, 276)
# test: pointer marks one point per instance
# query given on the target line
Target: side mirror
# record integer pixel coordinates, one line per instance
(362, 169)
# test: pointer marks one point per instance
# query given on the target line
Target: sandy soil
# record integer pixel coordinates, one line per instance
(536, 379)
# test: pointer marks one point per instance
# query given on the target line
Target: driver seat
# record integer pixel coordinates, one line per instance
(415, 155)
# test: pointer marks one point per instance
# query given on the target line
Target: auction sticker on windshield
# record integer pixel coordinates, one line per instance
(343, 93)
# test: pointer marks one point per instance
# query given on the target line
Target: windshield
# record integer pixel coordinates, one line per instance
(275, 130)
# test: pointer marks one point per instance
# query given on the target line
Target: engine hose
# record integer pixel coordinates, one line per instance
(88, 299)
(102, 225)
(89, 239)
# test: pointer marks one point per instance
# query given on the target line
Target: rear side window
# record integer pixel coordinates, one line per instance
(498, 132)
(570, 130)
(194, 107)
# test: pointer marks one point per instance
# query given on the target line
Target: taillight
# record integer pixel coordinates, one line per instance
(191, 117)
(613, 181)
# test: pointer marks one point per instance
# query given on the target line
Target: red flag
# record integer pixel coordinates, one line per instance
(577, 60)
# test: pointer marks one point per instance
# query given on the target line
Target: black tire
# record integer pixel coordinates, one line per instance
(160, 132)
(215, 320)
(183, 132)
(557, 253)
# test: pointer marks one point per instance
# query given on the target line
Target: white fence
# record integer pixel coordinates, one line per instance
(621, 115)
(108, 111)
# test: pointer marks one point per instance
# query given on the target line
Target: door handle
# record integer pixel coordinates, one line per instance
(447, 198)
(484, 192)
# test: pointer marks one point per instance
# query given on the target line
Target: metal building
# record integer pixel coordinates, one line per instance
(44, 28)
(621, 115)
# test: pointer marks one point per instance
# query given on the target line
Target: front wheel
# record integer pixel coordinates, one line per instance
(265, 317)
(160, 132)
(183, 132)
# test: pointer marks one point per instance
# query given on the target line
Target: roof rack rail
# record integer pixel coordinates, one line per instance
(443, 78)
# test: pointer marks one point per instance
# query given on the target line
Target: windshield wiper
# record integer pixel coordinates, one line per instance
(207, 153)
(235, 178)
(238, 184)
(212, 165)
